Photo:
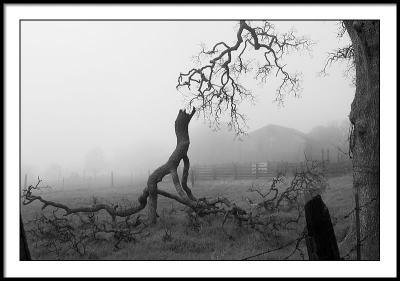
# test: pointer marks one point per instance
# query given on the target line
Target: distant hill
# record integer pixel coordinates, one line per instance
(269, 143)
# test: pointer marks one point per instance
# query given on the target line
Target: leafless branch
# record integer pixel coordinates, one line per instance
(345, 54)
(216, 87)
(342, 54)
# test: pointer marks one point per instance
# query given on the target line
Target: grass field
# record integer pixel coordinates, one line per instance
(175, 238)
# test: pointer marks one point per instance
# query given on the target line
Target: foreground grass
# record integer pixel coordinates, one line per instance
(176, 238)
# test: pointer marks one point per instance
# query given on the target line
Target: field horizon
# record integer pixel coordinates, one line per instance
(176, 236)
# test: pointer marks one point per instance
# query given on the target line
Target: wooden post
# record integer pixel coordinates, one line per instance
(327, 155)
(256, 170)
(322, 155)
(321, 241)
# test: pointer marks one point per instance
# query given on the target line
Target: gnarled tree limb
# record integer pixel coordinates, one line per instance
(149, 194)
(215, 87)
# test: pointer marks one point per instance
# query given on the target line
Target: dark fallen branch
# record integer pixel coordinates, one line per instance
(112, 211)
(61, 235)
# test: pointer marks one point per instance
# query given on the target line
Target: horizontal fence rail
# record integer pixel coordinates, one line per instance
(234, 171)
(261, 170)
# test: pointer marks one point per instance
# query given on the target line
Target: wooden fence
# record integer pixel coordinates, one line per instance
(233, 171)
(261, 170)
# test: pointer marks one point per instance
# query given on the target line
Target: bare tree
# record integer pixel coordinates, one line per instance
(149, 194)
(364, 141)
(215, 88)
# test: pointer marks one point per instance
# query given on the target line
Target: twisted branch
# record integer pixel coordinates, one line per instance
(216, 87)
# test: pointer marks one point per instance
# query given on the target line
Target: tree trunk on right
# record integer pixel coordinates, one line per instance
(364, 139)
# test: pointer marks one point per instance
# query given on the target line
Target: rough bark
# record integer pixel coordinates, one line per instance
(364, 141)
(185, 175)
(170, 167)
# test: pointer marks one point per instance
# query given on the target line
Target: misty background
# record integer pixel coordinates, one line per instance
(100, 96)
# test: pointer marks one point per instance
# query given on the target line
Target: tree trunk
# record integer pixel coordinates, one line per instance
(364, 140)
(24, 254)
(170, 167)
(152, 205)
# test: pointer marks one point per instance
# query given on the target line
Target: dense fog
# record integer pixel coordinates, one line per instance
(99, 98)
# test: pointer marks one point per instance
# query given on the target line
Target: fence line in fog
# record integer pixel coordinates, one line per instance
(108, 179)
(255, 170)
(261, 170)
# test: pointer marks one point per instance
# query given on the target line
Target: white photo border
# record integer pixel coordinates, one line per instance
(13, 13)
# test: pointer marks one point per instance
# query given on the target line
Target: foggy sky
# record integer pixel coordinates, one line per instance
(111, 85)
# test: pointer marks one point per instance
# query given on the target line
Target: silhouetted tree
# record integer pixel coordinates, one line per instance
(215, 88)
(364, 141)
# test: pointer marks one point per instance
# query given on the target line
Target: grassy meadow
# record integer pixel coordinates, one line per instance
(175, 237)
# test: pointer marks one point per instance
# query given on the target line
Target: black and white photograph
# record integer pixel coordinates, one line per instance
(213, 137)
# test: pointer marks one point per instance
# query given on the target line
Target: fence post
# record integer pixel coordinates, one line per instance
(327, 155)
(234, 171)
(321, 241)
(256, 170)
(112, 179)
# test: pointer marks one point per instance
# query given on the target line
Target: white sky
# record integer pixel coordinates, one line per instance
(112, 85)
